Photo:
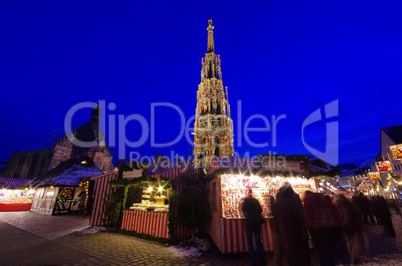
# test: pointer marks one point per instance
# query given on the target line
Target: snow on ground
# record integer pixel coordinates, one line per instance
(192, 247)
(91, 230)
(183, 252)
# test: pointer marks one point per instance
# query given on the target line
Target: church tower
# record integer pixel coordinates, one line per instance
(213, 127)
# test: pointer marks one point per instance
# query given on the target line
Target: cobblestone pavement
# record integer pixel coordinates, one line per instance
(33, 239)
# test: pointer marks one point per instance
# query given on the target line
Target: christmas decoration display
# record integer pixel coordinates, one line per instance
(234, 190)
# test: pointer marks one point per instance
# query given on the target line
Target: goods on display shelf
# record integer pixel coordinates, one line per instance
(151, 202)
(138, 207)
(149, 207)
(160, 200)
(16, 195)
(234, 186)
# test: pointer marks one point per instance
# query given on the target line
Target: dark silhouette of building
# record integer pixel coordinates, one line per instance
(34, 163)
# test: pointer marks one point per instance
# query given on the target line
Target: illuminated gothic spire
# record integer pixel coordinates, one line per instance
(213, 127)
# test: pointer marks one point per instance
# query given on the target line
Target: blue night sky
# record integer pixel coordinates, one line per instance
(279, 58)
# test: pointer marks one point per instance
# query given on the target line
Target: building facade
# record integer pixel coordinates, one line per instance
(34, 163)
(391, 136)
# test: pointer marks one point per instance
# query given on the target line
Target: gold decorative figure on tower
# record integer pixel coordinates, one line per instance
(213, 127)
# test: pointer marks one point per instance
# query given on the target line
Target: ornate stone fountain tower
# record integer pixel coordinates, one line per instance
(213, 127)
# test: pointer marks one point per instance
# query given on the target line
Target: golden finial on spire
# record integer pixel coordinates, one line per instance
(210, 36)
(210, 27)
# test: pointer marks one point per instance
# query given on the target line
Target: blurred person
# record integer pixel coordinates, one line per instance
(293, 225)
(279, 259)
(305, 194)
(365, 207)
(375, 209)
(324, 226)
(350, 216)
(385, 216)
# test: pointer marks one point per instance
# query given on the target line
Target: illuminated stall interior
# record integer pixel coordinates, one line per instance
(14, 190)
(15, 194)
(234, 186)
(154, 197)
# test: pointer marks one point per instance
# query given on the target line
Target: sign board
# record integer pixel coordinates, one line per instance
(383, 166)
(396, 151)
(374, 175)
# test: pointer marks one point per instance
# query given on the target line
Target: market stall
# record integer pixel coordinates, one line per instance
(227, 192)
(58, 191)
(101, 190)
(14, 195)
(150, 215)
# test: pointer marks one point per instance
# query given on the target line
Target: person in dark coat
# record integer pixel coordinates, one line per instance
(293, 225)
(376, 210)
(385, 216)
(253, 211)
(365, 207)
(351, 221)
(325, 228)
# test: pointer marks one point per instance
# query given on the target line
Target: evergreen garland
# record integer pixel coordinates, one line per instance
(112, 210)
(189, 206)
(172, 216)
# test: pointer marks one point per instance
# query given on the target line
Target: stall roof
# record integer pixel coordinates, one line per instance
(68, 173)
(13, 182)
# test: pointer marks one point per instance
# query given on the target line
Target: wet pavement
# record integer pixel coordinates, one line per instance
(34, 239)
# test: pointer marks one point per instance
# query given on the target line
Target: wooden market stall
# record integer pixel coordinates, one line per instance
(15, 194)
(141, 217)
(146, 222)
(227, 191)
(58, 190)
(101, 190)
(147, 213)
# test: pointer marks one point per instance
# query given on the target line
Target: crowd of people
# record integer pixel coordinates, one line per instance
(334, 227)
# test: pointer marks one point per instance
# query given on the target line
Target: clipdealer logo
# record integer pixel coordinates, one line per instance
(331, 153)
(117, 126)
